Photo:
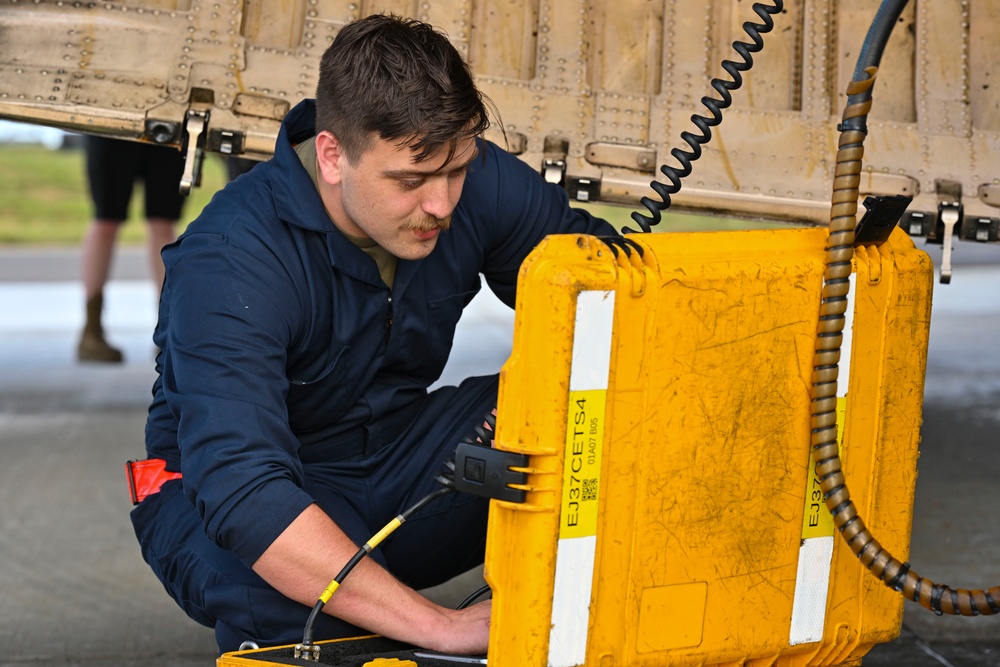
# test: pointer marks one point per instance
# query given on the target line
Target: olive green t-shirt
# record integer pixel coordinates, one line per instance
(385, 261)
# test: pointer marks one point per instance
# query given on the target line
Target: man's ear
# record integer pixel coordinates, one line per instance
(329, 157)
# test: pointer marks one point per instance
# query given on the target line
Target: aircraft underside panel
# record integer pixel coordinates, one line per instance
(599, 91)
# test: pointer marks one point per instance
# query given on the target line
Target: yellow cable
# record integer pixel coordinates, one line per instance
(384, 533)
(329, 591)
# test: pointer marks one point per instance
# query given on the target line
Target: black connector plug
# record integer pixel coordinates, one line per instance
(481, 470)
(487, 472)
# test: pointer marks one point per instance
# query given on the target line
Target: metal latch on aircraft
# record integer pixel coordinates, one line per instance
(554, 171)
(554, 160)
(918, 223)
(949, 217)
(583, 189)
(639, 158)
(226, 142)
(195, 124)
(982, 230)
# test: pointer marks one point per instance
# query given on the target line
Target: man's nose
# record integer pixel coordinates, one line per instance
(437, 200)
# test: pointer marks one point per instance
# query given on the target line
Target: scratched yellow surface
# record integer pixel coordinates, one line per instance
(706, 443)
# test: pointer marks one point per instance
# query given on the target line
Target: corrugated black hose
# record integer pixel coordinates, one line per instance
(939, 598)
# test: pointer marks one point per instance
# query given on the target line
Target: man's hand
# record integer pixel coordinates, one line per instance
(470, 634)
(313, 549)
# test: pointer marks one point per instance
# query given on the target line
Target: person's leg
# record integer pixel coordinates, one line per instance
(215, 588)
(97, 252)
(161, 170)
(110, 178)
(98, 249)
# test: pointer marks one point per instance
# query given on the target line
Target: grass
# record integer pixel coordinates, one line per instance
(44, 198)
(44, 201)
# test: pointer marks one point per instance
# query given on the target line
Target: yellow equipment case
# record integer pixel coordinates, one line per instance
(660, 386)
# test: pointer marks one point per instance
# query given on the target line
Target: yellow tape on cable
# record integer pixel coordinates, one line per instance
(574, 573)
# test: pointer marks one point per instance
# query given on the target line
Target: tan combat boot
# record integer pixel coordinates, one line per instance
(92, 345)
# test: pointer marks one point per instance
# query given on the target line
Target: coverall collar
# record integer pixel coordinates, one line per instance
(298, 203)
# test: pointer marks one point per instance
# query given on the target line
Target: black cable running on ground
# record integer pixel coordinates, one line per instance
(705, 123)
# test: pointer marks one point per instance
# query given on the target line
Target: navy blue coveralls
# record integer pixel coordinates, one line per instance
(291, 374)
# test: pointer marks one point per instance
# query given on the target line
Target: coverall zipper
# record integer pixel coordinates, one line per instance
(388, 321)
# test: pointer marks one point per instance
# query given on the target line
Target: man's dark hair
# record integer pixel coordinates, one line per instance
(400, 80)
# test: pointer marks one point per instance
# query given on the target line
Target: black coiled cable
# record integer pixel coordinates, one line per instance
(704, 123)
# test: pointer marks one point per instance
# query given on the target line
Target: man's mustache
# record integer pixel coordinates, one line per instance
(428, 224)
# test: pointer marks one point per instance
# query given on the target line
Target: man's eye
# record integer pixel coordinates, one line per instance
(410, 183)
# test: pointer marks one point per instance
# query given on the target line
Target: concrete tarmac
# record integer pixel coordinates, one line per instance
(75, 590)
